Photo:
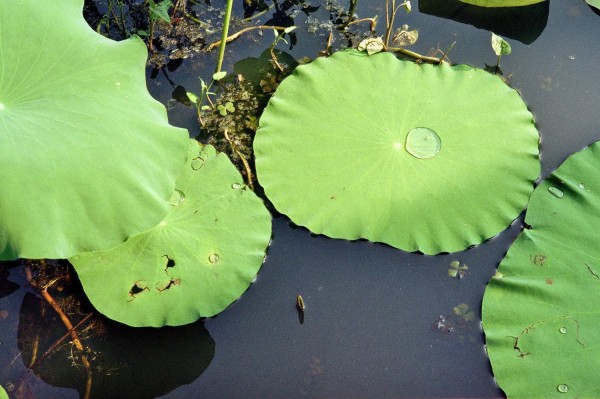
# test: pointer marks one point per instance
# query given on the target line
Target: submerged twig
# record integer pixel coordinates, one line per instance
(71, 330)
(58, 341)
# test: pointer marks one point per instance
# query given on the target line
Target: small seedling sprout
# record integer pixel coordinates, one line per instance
(500, 47)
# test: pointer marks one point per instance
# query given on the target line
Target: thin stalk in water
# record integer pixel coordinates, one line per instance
(224, 35)
(351, 11)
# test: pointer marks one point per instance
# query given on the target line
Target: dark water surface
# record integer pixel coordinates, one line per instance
(379, 322)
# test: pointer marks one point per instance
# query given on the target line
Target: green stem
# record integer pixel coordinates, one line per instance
(224, 35)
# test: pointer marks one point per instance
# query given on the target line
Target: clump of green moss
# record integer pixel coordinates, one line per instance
(236, 113)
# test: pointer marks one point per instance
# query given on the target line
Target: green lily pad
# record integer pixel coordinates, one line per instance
(194, 263)
(335, 151)
(502, 3)
(87, 157)
(540, 312)
(594, 3)
(3, 394)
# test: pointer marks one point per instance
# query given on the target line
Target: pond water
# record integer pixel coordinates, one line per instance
(379, 322)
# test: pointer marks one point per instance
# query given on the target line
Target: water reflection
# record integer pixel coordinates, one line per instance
(6, 287)
(524, 24)
(123, 361)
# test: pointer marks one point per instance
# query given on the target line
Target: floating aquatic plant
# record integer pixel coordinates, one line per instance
(87, 157)
(502, 3)
(594, 3)
(194, 263)
(540, 311)
(421, 157)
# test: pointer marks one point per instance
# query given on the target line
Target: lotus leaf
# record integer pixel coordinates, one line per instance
(540, 311)
(594, 3)
(87, 157)
(421, 157)
(502, 3)
(3, 394)
(194, 263)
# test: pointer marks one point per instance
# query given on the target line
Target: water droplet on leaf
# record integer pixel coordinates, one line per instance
(423, 143)
(236, 186)
(213, 258)
(1, 106)
(563, 330)
(563, 388)
(177, 198)
(581, 185)
(556, 192)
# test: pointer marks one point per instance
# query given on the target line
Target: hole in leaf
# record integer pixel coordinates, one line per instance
(170, 262)
(165, 286)
(137, 288)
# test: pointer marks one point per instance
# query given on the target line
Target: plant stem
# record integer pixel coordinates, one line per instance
(224, 34)
(249, 175)
(353, 4)
(389, 20)
(234, 36)
(420, 57)
(372, 21)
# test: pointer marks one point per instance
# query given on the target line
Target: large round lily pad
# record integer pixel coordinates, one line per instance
(421, 157)
(194, 263)
(541, 310)
(87, 157)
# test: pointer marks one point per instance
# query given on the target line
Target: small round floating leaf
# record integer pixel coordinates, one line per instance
(87, 157)
(542, 319)
(3, 394)
(194, 263)
(421, 157)
(423, 143)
